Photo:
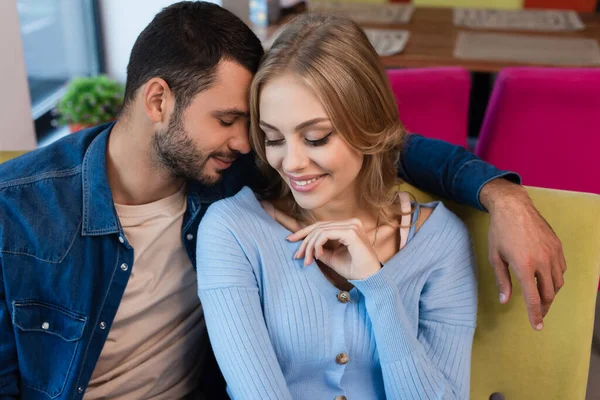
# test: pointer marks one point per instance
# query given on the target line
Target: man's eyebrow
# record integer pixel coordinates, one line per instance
(231, 112)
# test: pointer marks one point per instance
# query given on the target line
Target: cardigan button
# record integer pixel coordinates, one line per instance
(497, 396)
(342, 358)
(343, 297)
(340, 398)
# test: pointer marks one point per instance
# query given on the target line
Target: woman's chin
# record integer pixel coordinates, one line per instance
(308, 203)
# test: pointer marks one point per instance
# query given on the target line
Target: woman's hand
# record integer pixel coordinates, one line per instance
(354, 259)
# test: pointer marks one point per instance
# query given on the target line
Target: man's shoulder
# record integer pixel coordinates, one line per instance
(61, 159)
(41, 191)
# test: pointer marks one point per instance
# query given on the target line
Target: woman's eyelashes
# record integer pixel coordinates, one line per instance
(314, 143)
(319, 142)
(273, 142)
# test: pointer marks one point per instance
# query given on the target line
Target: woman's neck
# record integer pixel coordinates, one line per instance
(345, 207)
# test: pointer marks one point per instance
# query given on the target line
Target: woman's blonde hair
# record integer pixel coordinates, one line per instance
(332, 56)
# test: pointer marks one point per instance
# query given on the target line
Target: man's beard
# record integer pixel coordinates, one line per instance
(175, 152)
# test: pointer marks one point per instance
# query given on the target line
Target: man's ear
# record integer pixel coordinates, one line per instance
(156, 98)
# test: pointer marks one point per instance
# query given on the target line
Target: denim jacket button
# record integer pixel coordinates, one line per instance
(45, 326)
(189, 236)
(121, 240)
(79, 389)
(102, 325)
(124, 267)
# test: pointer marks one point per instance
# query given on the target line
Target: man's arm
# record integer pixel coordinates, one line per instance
(446, 170)
(519, 236)
(9, 369)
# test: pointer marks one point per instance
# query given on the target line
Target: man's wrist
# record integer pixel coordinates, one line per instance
(500, 192)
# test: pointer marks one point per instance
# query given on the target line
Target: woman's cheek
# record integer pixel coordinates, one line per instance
(274, 156)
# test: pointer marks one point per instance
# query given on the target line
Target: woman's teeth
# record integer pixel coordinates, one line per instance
(304, 183)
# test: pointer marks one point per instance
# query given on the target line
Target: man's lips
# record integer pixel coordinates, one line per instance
(223, 162)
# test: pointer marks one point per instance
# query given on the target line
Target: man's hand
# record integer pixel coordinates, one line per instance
(521, 238)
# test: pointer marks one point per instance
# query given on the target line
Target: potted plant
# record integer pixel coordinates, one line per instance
(90, 101)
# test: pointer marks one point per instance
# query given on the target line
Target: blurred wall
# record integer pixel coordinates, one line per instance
(122, 22)
(17, 131)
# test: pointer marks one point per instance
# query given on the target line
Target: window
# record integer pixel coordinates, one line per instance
(61, 40)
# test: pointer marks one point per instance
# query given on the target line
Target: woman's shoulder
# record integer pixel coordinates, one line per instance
(435, 217)
(422, 216)
(230, 211)
(244, 200)
(451, 239)
(439, 227)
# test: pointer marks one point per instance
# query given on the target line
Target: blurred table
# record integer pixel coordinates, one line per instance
(433, 37)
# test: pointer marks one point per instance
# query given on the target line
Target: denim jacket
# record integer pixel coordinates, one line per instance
(65, 262)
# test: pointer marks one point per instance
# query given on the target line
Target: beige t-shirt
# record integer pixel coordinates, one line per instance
(154, 346)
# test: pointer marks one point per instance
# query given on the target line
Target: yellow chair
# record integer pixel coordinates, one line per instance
(508, 355)
(9, 155)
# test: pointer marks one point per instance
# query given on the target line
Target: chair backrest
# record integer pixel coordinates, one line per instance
(544, 123)
(508, 355)
(433, 101)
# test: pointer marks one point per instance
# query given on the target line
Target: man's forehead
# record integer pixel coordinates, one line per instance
(229, 73)
(227, 94)
(224, 100)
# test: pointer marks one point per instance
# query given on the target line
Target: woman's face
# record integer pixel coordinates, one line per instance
(301, 144)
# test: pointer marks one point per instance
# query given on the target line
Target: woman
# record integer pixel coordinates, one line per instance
(372, 296)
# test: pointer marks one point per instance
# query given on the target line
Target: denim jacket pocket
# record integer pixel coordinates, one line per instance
(49, 336)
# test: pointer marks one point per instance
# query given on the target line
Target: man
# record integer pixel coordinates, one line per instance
(97, 284)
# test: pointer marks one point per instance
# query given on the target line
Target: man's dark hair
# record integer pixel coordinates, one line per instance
(183, 45)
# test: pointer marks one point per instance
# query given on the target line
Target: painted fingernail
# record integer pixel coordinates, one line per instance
(502, 298)
(539, 327)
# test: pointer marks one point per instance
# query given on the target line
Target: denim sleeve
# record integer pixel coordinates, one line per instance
(447, 170)
(9, 369)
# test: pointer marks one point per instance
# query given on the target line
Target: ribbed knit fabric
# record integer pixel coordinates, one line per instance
(276, 326)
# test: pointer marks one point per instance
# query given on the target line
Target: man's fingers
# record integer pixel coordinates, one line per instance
(561, 259)
(558, 279)
(503, 281)
(533, 302)
(546, 290)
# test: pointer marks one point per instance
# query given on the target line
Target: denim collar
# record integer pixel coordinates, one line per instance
(99, 214)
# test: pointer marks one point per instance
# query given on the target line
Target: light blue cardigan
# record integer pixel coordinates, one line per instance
(278, 327)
